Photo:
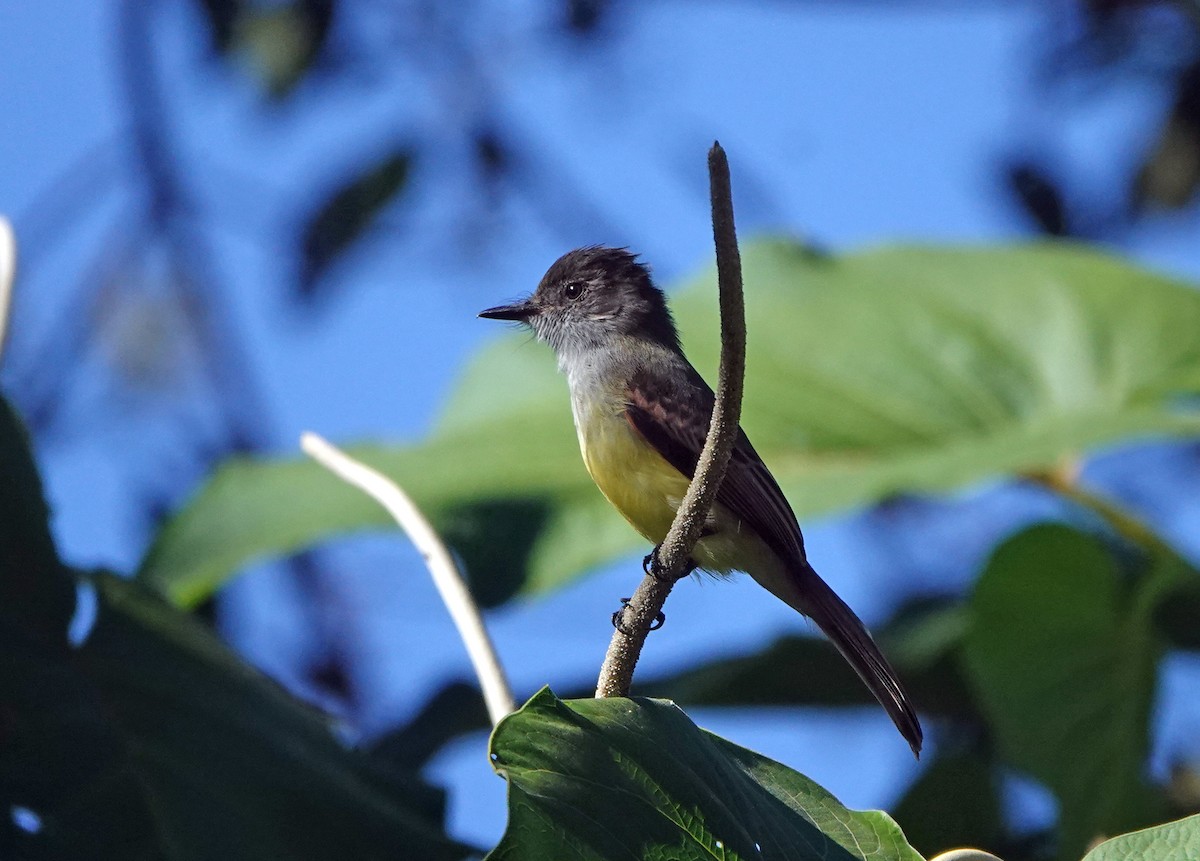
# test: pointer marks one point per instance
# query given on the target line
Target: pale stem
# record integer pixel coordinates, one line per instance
(450, 583)
(8, 274)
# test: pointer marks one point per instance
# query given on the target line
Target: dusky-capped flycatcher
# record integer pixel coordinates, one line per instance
(642, 414)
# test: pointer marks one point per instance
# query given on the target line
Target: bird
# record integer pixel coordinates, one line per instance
(642, 414)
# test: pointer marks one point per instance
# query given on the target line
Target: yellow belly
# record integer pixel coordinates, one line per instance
(647, 491)
(631, 474)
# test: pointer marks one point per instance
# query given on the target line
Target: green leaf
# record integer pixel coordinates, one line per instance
(1064, 655)
(634, 778)
(894, 371)
(153, 740)
(1173, 841)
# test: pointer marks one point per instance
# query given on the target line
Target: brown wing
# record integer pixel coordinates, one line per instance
(675, 418)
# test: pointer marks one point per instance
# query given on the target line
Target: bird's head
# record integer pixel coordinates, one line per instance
(593, 297)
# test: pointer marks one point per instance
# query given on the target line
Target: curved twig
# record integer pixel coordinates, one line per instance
(449, 580)
(616, 674)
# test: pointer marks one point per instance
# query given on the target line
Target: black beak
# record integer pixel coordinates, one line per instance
(521, 311)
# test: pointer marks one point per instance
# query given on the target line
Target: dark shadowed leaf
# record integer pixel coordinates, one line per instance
(145, 737)
(453, 711)
(347, 214)
(1178, 613)
(634, 778)
(221, 17)
(1040, 197)
(955, 802)
(923, 642)
(165, 745)
(1064, 654)
(1170, 174)
(910, 370)
(32, 588)
(495, 569)
(583, 17)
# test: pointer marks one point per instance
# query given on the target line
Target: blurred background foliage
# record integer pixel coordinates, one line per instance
(417, 139)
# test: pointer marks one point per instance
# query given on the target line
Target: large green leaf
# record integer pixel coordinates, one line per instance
(900, 370)
(1064, 654)
(634, 778)
(1174, 841)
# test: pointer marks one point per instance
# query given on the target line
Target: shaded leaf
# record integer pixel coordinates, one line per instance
(1178, 613)
(49, 738)
(347, 214)
(1040, 197)
(222, 18)
(953, 803)
(282, 41)
(1173, 841)
(163, 744)
(1170, 174)
(495, 568)
(583, 17)
(453, 711)
(1064, 655)
(923, 643)
(491, 152)
(33, 591)
(634, 778)
(897, 371)
(151, 739)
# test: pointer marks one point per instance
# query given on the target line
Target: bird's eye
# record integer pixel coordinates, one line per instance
(573, 290)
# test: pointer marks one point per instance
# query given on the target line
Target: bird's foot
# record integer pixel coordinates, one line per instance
(618, 620)
(653, 567)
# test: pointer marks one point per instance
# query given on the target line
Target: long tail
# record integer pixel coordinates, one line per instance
(848, 633)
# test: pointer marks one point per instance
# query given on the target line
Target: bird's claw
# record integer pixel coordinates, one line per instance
(653, 566)
(618, 620)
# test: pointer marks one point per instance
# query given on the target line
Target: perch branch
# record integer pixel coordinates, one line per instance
(616, 674)
(449, 580)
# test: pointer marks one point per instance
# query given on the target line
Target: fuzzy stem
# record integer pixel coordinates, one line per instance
(616, 674)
